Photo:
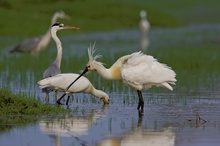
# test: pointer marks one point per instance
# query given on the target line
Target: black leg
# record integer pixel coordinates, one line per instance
(58, 101)
(68, 100)
(141, 101)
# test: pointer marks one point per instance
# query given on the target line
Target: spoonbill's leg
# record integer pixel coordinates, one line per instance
(58, 101)
(141, 101)
(68, 100)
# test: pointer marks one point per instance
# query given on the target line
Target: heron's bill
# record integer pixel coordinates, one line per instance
(85, 70)
(70, 27)
(67, 17)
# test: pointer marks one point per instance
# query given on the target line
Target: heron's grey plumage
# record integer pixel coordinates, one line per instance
(35, 44)
(51, 71)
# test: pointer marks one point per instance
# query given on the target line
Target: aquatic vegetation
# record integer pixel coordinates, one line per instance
(18, 109)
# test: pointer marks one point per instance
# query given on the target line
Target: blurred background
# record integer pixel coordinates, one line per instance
(31, 17)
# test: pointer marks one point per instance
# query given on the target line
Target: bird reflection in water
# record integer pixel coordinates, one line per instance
(141, 137)
(71, 125)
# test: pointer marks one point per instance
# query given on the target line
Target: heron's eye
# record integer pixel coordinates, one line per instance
(88, 66)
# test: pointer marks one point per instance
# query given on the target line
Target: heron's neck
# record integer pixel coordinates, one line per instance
(54, 19)
(59, 56)
(59, 49)
(47, 36)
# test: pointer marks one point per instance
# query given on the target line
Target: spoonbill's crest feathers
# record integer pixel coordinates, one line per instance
(92, 58)
(91, 51)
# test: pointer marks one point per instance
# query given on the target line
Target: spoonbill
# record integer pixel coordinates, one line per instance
(144, 28)
(61, 81)
(137, 70)
(54, 68)
(35, 44)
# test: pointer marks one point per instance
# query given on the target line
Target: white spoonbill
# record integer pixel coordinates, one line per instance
(61, 81)
(137, 70)
(34, 45)
(54, 68)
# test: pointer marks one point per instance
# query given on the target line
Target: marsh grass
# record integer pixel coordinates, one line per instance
(18, 109)
(18, 104)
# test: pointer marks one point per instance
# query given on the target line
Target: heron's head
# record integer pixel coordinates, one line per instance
(92, 64)
(61, 14)
(58, 26)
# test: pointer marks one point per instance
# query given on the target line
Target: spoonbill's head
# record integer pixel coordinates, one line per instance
(92, 64)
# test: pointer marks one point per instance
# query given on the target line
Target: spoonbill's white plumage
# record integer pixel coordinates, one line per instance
(137, 70)
(54, 68)
(34, 45)
(61, 81)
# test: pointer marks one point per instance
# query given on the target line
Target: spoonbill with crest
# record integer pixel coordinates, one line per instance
(137, 70)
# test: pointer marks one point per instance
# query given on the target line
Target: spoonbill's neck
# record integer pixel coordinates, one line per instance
(113, 73)
(98, 93)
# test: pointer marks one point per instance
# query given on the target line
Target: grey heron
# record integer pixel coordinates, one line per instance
(61, 81)
(35, 44)
(54, 68)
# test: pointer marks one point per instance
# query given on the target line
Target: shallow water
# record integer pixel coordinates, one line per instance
(169, 117)
(118, 123)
